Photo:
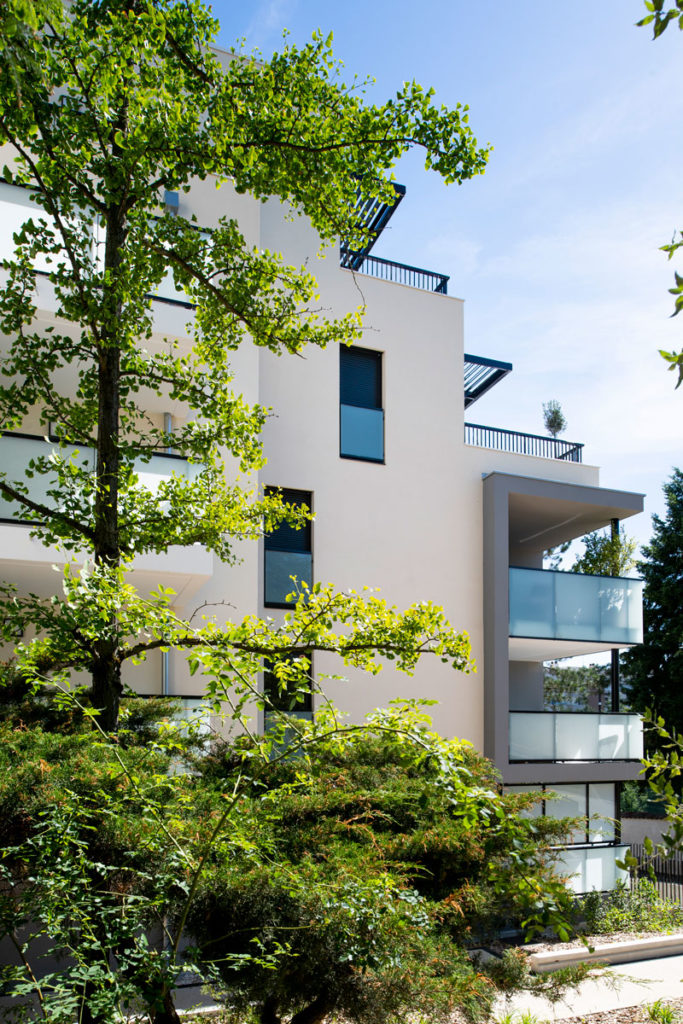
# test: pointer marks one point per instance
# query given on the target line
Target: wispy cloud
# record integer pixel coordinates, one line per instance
(268, 22)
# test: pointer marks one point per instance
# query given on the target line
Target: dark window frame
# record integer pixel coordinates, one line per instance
(361, 386)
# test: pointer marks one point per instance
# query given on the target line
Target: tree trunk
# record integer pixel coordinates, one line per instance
(268, 1014)
(169, 1014)
(106, 669)
(315, 1012)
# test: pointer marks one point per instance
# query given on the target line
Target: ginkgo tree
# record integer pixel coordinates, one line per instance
(106, 106)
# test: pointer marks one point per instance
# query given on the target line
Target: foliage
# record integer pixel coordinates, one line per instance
(552, 557)
(606, 554)
(575, 687)
(347, 872)
(654, 670)
(626, 909)
(660, 18)
(105, 110)
(637, 798)
(660, 1012)
(553, 418)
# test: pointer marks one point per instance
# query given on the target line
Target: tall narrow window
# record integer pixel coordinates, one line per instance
(361, 421)
(284, 695)
(288, 552)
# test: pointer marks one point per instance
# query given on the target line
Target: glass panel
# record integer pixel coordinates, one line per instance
(577, 737)
(15, 455)
(536, 811)
(161, 468)
(16, 207)
(635, 737)
(194, 711)
(280, 566)
(602, 809)
(570, 802)
(578, 606)
(288, 735)
(563, 736)
(17, 452)
(532, 737)
(166, 289)
(571, 606)
(362, 433)
(613, 734)
(532, 603)
(593, 868)
(271, 719)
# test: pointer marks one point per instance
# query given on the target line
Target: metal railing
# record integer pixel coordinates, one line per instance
(522, 444)
(401, 273)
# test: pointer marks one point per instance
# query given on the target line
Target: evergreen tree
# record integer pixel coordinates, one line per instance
(655, 669)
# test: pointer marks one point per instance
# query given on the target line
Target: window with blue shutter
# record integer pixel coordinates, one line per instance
(361, 419)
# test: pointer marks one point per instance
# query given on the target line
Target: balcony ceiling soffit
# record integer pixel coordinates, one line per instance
(537, 523)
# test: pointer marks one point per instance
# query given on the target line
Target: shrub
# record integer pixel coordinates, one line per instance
(641, 909)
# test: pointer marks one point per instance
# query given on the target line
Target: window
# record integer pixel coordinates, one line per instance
(288, 695)
(597, 802)
(361, 420)
(288, 552)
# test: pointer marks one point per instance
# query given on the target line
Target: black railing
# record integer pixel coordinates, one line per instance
(522, 444)
(401, 273)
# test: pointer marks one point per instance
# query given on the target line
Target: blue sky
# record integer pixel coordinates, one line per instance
(555, 248)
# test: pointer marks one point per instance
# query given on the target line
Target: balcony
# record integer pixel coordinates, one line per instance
(184, 569)
(575, 736)
(592, 867)
(522, 444)
(566, 606)
(400, 273)
(17, 451)
(16, 207)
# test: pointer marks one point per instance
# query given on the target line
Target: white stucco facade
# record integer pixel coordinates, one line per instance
(413, 525)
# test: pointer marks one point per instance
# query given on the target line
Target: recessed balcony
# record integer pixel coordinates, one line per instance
(554, 736)
(559, 614)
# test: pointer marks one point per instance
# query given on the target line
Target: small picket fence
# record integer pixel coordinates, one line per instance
(668, 872)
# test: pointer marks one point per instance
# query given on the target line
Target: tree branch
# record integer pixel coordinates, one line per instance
(48, 513)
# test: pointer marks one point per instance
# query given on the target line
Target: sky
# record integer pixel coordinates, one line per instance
(555, 250)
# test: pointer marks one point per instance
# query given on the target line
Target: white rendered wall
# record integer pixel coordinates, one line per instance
(412, 527)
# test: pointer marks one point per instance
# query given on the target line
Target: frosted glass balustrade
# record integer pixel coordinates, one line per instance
(572, 606)
(572, 736)
(17, 206)
(16, 452)
(593, 868)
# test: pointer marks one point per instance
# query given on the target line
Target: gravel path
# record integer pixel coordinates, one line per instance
(625, 1015)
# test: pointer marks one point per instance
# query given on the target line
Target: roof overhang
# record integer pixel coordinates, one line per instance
(481, 374)
(373, 215)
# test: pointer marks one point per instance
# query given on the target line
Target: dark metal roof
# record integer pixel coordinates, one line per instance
(481, 374)
(373, 217)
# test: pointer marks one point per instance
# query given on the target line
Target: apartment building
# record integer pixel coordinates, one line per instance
(407, 497)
